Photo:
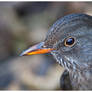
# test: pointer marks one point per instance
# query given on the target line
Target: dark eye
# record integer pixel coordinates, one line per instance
(70, 41)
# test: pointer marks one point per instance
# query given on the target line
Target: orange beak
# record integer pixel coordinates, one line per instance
(36, 49)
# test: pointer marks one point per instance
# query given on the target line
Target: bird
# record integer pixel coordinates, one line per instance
(69, 40)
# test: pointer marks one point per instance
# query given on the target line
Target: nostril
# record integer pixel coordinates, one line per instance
(43, 46)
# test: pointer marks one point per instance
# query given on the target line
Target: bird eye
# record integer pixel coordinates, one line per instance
(70, 41)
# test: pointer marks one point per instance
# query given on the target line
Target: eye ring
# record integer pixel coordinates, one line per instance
(69, 42)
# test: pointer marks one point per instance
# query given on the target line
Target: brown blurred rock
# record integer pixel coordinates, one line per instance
(25, 72)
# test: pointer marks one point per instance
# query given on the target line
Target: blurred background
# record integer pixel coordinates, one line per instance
(23, 24)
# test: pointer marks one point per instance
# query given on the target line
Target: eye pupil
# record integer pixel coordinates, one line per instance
(69, 41)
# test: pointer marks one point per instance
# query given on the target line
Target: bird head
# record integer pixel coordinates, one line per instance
(69, 40)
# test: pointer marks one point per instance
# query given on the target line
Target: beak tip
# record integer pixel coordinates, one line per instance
(22, 54)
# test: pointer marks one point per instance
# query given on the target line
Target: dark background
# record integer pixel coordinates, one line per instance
(23, 24)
